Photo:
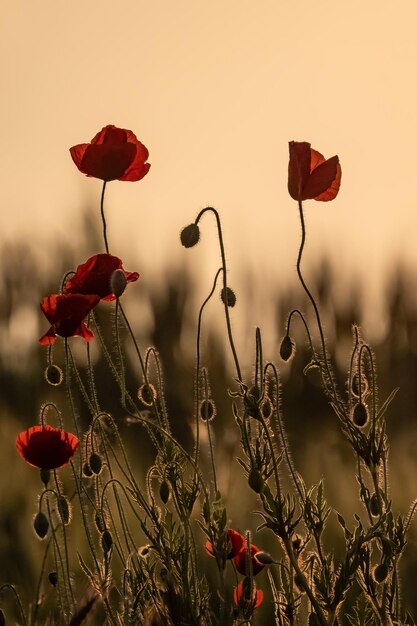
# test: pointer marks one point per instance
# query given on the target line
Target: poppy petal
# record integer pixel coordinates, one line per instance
(46, 447)
(332, 191)
(321, 179)
(298, 168)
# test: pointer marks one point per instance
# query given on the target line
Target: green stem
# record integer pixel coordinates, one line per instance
(103, 219)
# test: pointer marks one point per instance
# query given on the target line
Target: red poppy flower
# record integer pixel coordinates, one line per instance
(241, 594)
(66, 314)
(46, 447)
(235, 541)
(310, 175)
(240, 561)
(94, 276)
(113, 154)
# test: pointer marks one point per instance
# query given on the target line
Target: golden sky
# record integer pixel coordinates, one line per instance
(215, 90)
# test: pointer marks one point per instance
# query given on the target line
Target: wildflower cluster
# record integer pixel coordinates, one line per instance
(160, 547)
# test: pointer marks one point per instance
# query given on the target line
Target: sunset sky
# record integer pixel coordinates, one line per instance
(215, 90)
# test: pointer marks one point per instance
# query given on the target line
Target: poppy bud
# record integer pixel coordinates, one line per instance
(360, 414)
(45, 476)
(380, 573)
(147, 394)
(263, 558)
(41, 525)
(2, 618)
(266, 408)
(63, 508)
(106, 541)
(87, 470)
(164, 492)
(228, 297)
(207, 410)
(190, 235)
(54, 375)
(255, 480)
(95, 463)
(118, 282)
(287, 348)
(53, 578)
(374, 505)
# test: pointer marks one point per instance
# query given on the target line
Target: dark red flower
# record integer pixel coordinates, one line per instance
(240, 561)
(242, 597)
(66, 314)
(235, 543)
(46, 447)
(113, 154)
(310, 175)
(94, 276)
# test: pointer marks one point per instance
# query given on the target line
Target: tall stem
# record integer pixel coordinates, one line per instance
(103, 219)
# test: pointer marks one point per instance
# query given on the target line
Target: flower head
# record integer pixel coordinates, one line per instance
(65, 314)
(242, 594)
(46, 447)
(310, 175)
(95, 275)
(113, 154)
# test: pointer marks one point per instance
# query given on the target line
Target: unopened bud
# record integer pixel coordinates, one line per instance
(263, 558)
(228, 297)
(95, 463)
(207, 410)
(164, 492)
(41, 525)
(54, 375)
(63, 509)
(255, 480)
(380, 573)
(118, 282)
(266, 408)
(287, 348)
(360, 414)
(53, 578)
(359, 389)
(143, 551)
(106, 541)
(87, 470)
(190, 235)
(147, 394)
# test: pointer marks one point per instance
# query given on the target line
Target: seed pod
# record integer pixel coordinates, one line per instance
(106, 541)
(207, 410)
(164, 491)
(41, 525)
(228, 297)
(374, 505)
(360, 414)
(118, 282)
(287, 348)
(190, 235)
(255, 480)
(54, 375)
(53, 578)
(87, 470)
(45, 476)
(95, 463)
(63, 509)
(147, 394)
(380, 572)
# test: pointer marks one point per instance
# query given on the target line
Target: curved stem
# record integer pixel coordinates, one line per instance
(103, 219)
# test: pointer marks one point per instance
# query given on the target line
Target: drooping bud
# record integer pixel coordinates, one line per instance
(87, 470)
(359, 389)
(53, 578)
(228, 297)
(147, 394)
(190, 235)
(266, 408)
(264, 558)
(287, 348)
(360, 414)
(95, 463)
(106, 541)
(207, 410)
(54, 375)
(255, 480)
(41, 525)
(164, 491)
(380, 572)
(118, 282)
(63, 509)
